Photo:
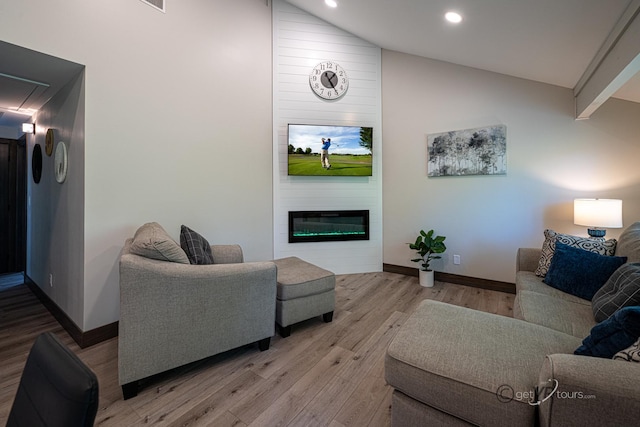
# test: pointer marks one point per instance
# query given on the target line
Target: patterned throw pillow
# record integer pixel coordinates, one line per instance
(606, 247)
(631, 354)
(197, 248)
(621, 290)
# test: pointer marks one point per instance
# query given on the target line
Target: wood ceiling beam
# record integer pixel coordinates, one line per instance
(615, 63)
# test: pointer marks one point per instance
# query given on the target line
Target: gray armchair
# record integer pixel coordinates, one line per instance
(172, 314)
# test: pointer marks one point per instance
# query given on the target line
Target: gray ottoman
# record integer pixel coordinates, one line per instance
(304, 291)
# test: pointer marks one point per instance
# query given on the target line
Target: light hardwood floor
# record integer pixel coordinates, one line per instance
(324, 374)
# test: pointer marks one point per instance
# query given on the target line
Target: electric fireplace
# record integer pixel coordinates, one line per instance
(328, 226)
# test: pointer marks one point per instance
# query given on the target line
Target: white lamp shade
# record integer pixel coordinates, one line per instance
(605, 213)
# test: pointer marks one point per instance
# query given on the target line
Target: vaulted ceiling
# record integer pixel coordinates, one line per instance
(550, 41)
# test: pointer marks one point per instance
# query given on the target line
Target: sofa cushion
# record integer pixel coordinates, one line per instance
(631, 354)
(197, 248)
(580, 272)
(528, 281)
(152, 241)
(621, 290)
(555, 313)
(613, 335)
(629, 243)
(606, 247)
(458, 360)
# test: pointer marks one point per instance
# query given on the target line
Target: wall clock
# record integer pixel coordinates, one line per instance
(48, 142)
(60, 163)
(328, 80)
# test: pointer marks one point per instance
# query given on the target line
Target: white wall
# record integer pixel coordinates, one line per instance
(12, 132)
(300, 41)
(178, 123)
(55, 215)
(552, 159)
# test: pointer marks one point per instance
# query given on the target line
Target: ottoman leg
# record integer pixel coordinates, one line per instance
(284, 331)
(327, 317)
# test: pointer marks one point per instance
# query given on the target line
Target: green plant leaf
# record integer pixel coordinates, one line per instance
(426, 245)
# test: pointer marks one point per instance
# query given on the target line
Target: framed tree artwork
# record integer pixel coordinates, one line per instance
(479, 151)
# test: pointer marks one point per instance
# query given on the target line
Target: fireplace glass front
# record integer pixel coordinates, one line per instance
(327, 226)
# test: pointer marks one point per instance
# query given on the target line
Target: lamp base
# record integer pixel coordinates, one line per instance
(596, 232)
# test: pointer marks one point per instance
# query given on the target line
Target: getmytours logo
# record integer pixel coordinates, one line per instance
(505, 394)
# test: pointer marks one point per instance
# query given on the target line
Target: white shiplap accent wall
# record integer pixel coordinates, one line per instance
(300, 41)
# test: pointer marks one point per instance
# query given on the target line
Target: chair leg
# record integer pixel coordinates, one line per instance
(130, 390)
(263, 344)
(327, 317)
(284, 331)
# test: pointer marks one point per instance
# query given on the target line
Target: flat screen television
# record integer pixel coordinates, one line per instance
(325, 150)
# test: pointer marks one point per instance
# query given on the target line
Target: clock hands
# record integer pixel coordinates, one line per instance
(331, 76)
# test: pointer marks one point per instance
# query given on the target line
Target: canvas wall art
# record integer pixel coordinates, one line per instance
(479, 151)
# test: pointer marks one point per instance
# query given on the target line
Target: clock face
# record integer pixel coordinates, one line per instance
(60, 162)
(328, 80)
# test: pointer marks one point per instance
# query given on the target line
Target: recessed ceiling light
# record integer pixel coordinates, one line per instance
(331, 3)
(453, 17)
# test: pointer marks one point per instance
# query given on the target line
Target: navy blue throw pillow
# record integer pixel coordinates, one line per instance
(579, 272)
(197, 248)
(613, 335)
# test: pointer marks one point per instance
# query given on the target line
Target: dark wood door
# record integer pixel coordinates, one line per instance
(12, 205)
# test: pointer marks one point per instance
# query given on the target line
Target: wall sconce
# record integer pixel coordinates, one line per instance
(29, 128)
(594, 213)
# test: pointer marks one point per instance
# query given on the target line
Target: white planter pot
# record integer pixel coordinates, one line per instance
(426, 278)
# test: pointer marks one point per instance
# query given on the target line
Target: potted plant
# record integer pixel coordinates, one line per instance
(427, 246)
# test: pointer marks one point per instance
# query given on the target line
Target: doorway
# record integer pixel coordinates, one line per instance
(13, 217)
(32, 85)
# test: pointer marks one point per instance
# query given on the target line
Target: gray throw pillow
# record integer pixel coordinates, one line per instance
(152, 241)
(602, 247)
(621, 290)
(197, 248)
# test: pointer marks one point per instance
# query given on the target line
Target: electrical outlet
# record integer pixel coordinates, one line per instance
(51, 279)
(456, 259)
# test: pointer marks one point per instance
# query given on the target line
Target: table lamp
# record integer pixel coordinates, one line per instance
(597, 214)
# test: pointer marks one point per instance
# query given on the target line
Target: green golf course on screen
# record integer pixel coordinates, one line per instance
(320, 150)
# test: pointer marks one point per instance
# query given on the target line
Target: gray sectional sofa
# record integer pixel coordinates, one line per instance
(452, 366)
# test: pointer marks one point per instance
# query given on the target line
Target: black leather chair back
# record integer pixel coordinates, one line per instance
(56, 389)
